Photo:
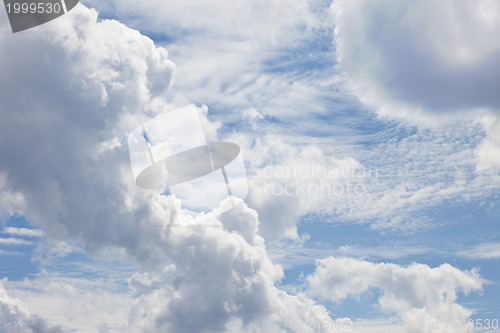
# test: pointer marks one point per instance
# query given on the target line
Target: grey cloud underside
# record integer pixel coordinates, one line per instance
(414, 76)
(439, 56)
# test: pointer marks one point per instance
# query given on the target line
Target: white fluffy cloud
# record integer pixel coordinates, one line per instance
(220, 280)
(418, 294)
(69, 97)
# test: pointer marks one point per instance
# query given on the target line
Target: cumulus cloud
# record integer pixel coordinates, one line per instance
(220, 280)
(436, 56)
(67, 95)
(70, 95)
(15, 317)
(417, 294)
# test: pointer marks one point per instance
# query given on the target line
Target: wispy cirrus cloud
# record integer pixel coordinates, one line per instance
(483, 251)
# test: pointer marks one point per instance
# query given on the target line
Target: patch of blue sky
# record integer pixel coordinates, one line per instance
(475, 221)
(16, 255)
(311, 126)
(464, 228)
(485, 303)
(21, 261)
(16, 266)
(160, 37)
(362, 241)
(456, 226)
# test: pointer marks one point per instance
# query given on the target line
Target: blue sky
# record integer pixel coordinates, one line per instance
(370, 133)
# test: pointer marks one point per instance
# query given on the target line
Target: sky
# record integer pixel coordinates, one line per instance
(370, 133)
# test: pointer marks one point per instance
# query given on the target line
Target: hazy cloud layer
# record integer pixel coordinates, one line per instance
(15, 317)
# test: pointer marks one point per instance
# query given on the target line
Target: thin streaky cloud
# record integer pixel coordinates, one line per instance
(23, 232)
(483, 251)
(4, 253)
(14, 241)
